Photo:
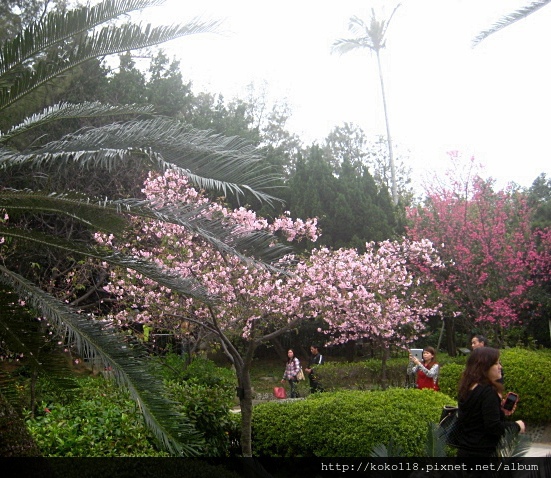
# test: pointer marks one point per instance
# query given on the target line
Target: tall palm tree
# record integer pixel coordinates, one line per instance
(372, 36)
(511, 18)
(39, 57)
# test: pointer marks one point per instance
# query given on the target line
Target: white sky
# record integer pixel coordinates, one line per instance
(493, 101)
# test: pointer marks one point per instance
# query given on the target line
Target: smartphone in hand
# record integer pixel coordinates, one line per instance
(510, 401)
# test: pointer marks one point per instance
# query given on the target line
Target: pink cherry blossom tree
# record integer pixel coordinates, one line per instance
(485, 239)
(374, 295)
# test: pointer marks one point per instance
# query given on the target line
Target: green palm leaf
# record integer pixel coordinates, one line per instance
(17, 80)
(186, 286)
(95, 341)
(210, 160)
(63, 111)
(509, 19)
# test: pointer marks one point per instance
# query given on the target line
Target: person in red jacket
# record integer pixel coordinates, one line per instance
(427, 370)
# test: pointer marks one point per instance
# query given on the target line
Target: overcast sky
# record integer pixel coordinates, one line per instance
(492, 101)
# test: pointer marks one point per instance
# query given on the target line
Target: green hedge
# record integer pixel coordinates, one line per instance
(364, 375)
(346, 423)
(526, 372)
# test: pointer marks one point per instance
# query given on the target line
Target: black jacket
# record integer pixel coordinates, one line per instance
(481, 422)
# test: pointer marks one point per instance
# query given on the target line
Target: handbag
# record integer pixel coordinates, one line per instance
(279, 392)
(300, 374)
(448, 423)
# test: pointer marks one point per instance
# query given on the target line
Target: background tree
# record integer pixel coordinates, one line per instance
(486, 241)
(372, 37)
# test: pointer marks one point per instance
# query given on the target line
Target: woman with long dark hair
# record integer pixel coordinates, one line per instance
(292, 367)
(427, 370)
(481, 421)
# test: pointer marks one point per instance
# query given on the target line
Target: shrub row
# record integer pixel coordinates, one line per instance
(346, 423)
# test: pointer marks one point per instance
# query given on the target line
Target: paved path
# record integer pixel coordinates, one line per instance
(539, 449)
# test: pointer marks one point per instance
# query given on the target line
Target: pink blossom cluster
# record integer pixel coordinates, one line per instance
(373, 295)
(488, 245)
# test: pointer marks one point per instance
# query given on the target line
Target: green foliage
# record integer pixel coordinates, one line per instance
(364, 375)
(448, 378)
(528, 373)
(322, 425)
(204, 393)
(101, 421)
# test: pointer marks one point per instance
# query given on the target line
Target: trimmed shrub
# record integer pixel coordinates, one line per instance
(346, 423)
(364, 375)
(448, 378)
(528, 373)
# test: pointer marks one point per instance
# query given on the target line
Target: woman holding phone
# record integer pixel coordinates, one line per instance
(481, 421)
(427, 370)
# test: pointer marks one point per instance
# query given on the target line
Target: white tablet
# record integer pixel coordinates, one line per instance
(417, 353)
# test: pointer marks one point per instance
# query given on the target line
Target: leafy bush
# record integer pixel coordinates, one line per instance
(364, 375)
(102, 421)
(205, 393)
(528, 373)
(346, 423)
(448, 378)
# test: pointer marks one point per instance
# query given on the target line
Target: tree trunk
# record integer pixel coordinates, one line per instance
(394, 187)
(245, 395)
(350, 350)
(384, 377)
(450, 336)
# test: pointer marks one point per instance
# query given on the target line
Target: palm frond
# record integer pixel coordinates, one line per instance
(210, 160)
(512, 444)
(103, 216)
(23, 334)
(393, 449)
(186, 286)
(18, 81)
(91, 340)
(112, 216)
(509, 19)
(62, 111)
(56, 27)
(435, 445)
(346, 45)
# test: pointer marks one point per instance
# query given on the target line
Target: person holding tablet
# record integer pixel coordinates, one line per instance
(427, 369)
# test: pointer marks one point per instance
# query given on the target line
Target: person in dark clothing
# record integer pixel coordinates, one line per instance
(315, 359)
(480, 341)
(481, 422)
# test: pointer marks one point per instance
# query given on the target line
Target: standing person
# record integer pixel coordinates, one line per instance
(315, 359)
(427, 370)
(478, 341)
(481, 421)
(291, 369)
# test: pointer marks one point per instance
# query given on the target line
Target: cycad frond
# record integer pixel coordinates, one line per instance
(19, 81)
(512, 444)
(509, 19)
(62, 111)
(126, 362)
(56, 27)
(210, 160)
(112, 216)
(186, 286)
(435, 445)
